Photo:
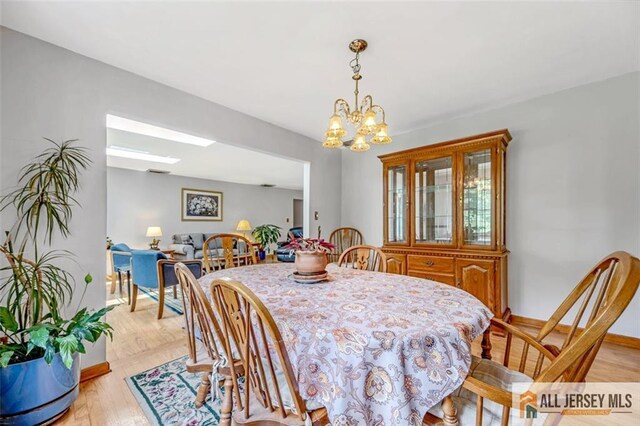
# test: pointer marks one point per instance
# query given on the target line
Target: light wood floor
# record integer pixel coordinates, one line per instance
(141, 342)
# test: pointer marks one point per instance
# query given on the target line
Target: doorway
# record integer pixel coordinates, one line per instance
(298, 212)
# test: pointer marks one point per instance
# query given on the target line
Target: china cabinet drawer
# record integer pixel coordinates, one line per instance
(431, 264)
(441, 278)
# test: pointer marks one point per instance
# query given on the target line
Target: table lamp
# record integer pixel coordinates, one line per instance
(244, 226)
(154, 232)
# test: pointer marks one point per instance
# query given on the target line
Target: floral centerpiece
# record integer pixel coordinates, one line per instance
(311, 254)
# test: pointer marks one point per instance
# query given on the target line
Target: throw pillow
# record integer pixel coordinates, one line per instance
(197, 241)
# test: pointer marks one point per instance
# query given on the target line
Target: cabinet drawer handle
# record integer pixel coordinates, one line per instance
(428, 263)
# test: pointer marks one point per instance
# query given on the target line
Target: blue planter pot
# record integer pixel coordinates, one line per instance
(34, 392)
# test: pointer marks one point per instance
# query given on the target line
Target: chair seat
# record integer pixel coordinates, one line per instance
(123, 268)
(493, 374)
(202, 362)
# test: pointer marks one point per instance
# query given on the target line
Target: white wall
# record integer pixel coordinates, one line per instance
(573, 187)
(136, 200)
(53, 92)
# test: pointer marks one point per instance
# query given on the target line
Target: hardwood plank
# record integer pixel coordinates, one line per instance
(140, 342)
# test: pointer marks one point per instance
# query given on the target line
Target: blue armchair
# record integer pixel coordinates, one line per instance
(121, 263)
(152, 269)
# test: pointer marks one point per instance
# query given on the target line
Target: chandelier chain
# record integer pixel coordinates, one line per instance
(355, 67)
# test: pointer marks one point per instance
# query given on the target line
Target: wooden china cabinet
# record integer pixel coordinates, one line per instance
(444, 215)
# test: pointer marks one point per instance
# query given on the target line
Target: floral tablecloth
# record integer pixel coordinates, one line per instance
(373, 348)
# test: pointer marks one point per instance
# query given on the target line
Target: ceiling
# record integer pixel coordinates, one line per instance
(216, 162)
(287, 62)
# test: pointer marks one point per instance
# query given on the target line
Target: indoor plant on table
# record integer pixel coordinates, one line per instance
(41, 336)
(311, 254)
(266, 235)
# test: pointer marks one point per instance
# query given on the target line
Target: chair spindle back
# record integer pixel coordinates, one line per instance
(599, 300)
(343, 238)
(603, 294)
(199, 316)
(366, 258)
(250, 328)
(224, 251)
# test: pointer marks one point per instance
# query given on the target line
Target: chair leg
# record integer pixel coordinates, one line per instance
(203, 389)
(450, 415)
(113, 284)
(120, 283)
(227, 402)
(134, 297)
(486, 344)
(175, 292)
(160, 301)
(129, 287)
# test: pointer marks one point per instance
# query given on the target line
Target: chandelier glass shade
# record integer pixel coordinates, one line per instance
(367, 117)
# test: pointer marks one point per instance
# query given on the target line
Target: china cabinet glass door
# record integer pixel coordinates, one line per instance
(477, 198)
(397, 204)
(434, 201)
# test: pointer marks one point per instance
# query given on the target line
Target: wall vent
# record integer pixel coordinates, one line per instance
(267, 185)
(158, 171)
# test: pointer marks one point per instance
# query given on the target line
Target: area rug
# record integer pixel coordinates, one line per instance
(174, 304)
(167, 395)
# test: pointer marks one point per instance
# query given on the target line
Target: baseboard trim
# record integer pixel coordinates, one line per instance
(617, 339)
(95, 371)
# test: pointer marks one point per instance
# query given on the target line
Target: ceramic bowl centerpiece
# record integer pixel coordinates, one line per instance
(311, 258)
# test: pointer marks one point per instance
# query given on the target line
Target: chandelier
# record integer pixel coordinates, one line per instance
(364, 115)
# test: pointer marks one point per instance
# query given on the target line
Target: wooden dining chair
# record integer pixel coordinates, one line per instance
(366, 258)
(342, 239)
(205, 342)
(224, 251)
(201, 357)
(599, 300)
(271, 394)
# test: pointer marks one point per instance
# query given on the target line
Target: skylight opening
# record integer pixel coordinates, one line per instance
(116, 151)
(119, 123)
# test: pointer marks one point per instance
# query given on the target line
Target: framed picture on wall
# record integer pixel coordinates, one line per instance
(201, 205)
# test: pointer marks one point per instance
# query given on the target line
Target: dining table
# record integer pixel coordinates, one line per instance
(373, 348)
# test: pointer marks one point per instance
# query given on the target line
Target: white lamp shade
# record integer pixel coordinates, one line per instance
(243, 225)
(154, 231)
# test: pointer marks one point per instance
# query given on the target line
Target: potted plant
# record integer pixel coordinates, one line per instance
(41, 335)
(266, 235)
(311, 254)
